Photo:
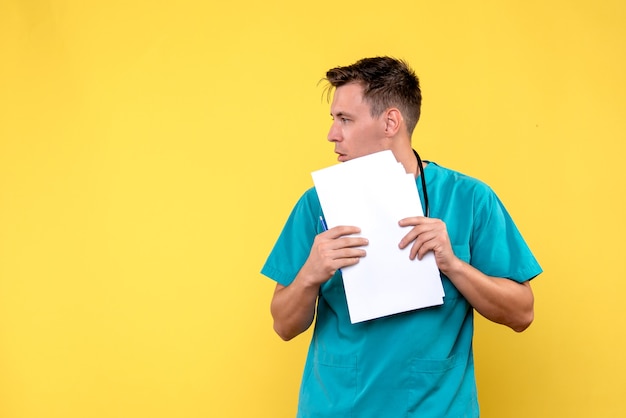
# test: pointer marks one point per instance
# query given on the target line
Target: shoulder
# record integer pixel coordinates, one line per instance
(309, 200)
(455, 182)
(307, 209)
(310, 195)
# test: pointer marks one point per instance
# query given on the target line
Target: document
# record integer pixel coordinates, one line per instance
(374, 192)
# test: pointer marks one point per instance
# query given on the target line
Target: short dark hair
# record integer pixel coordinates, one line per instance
(387, 82)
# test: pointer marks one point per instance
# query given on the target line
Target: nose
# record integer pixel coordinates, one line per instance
(334, 134)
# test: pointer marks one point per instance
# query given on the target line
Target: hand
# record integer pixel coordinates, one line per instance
(429, 234)
(332, 250)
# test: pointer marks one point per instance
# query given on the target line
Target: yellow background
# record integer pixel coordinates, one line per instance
(150, 152)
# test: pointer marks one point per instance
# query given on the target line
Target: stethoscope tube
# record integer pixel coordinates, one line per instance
(421, 174)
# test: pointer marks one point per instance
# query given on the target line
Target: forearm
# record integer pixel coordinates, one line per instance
(500, 300)
(293, 308)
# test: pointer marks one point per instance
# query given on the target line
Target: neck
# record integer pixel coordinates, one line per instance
(420, 164)
(406, 157)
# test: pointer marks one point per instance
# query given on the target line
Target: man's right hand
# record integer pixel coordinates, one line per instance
(333, 250)
(293, 306)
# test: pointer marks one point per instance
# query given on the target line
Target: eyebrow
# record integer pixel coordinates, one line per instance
(341, 114)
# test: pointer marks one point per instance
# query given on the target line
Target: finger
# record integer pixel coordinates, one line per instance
(350, 258)
(423, 249)
(349, 242)
(411, 236)
(429, 242)
(415, 250)
(411, 221)
(345, 262)
(423, 243)
(432, 242)
(339, 231)
(345, 258)
(407, 239)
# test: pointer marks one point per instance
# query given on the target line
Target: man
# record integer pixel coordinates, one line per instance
(418, 363)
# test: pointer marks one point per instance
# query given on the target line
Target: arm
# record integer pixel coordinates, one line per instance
(498, 299)
(293, 306)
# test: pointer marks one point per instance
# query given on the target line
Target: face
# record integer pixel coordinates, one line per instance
(354, 132)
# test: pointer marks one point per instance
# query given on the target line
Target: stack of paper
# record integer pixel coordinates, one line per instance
(374, 192)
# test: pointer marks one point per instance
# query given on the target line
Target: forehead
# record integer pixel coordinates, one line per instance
(349, 98)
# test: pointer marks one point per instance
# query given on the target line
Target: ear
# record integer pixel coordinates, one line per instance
(393, 120)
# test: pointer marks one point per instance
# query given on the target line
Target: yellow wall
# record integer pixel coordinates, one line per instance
(150, 152)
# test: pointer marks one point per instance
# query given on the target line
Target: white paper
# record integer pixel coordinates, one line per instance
(374, 192)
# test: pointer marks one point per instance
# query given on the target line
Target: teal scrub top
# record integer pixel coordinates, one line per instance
(413, 364)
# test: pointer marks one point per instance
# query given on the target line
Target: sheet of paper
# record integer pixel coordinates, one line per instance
(374, 192)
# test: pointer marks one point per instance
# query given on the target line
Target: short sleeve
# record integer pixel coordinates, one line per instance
(292, 248)
(497, 246)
